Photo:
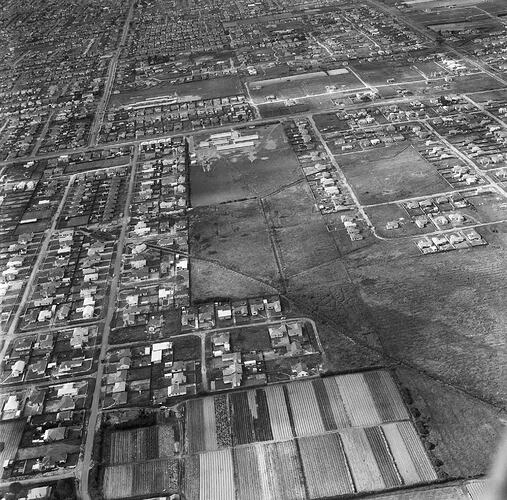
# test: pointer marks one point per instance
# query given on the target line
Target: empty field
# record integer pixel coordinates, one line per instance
(133, 445)
(390, 174)
(234, 234)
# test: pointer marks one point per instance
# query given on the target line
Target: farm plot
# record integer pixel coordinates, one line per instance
(10, 437)
(358, 400)
(325, 466)
(156, 476)
(144, 478)
(305, 409)
(365, 471)
(278, 412)
(408, 452)
(133, 445)
(280, 471)
(118, 481)
(216, 476)
(201, 425)
(246, 465)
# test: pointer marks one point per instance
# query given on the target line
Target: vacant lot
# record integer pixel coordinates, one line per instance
(234, 235)
(225, 176)
(378, 73)
(301, 236)
(210, 281)
(389, 174)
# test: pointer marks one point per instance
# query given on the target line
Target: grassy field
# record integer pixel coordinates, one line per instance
(301, 236)
(244, 173)
(427, 313)
(389, 174)
(378, 73)
(210, 281)
(235, 235)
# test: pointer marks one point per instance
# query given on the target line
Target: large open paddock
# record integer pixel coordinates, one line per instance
(389, 174)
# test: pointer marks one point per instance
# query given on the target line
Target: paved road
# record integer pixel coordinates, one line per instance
(86, 462)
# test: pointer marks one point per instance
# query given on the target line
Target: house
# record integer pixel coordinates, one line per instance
(54, 434)
(221, 344)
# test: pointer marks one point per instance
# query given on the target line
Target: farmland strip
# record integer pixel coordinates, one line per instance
(210, 431)
(217, 475)
(400, 453)
(476, 489)
(247, 472)
(305, 409)
(386, 396)
(363, 465)
(357, 399)
(280, 471)
(324, 405)
(195, 426)
(191, 480)
(278, 412)
(241, 419)
(417, 451)
(335, 400)
(385, 462)
(262, 424)
(325, 466)
(118, 482)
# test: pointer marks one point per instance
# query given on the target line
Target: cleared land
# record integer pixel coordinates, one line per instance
(390, 174)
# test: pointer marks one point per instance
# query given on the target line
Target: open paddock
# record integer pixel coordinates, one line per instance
(389, 174)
